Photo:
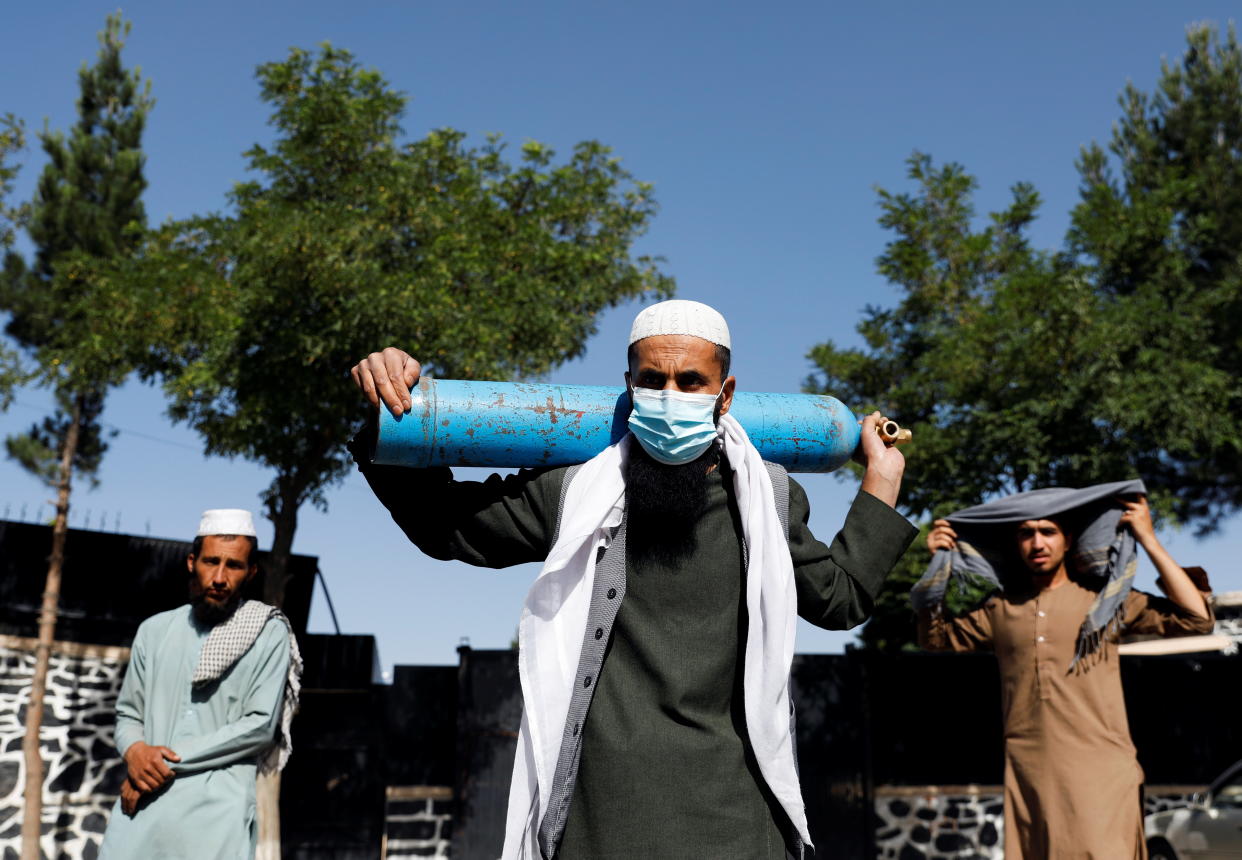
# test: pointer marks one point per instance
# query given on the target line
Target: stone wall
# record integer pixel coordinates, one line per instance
(927, 821)
(418, 821)
(966, 822)
(82, 770)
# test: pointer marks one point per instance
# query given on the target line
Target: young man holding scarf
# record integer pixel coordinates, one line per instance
(1060, 563)
(655, 646)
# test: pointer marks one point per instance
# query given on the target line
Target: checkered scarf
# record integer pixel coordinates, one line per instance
(225, 645)
(1101, 553)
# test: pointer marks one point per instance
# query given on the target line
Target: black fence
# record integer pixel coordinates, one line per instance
(333, 789)
(489, 714)
(420, 713)
(834, 739)
(352, 738)
(1184, 716)
(933, 719)
(111, 582)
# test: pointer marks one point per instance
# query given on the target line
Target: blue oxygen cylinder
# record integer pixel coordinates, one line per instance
(514, 424)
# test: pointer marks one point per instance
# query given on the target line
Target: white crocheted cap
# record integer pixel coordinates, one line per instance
(680, 316)
(226, 521)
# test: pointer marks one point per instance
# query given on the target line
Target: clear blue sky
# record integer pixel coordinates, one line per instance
(764, 127)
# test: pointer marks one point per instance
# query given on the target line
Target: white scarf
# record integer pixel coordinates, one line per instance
(555, 614)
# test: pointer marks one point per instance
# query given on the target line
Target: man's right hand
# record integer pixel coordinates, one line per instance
(146, 766)
(941, 536)
(387, 375)
(883, 463)
(129, 797)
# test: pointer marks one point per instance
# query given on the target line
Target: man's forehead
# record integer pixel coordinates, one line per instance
(1039, 524)
(666, 347)
(226, 544)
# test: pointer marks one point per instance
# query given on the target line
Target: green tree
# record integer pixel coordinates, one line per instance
(1159, 231)
(991, 356)
(976, 358)
(79, 329)
(12, 140)
(1011, 368)
(349, 241)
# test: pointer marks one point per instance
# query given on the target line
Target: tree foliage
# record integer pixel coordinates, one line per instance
(997, 356)
(348, 241)
(1159, 234)
(76, 324)
(12, 141)
(992, 356)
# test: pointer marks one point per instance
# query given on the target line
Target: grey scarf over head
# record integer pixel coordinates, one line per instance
(225, 645)
(1101, 554)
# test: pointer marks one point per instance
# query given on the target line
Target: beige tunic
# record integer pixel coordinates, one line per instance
(1072, 779)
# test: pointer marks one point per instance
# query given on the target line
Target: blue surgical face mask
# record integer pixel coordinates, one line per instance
(672, 426)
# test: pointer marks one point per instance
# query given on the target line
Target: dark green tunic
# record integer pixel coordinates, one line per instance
(666, 770)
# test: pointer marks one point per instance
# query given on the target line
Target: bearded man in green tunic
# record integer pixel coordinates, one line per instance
(655, 646)
(206, 702)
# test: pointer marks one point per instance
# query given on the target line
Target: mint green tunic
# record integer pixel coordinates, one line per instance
(208, 809)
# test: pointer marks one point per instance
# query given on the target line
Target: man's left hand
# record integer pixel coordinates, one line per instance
(1180, 588)
(1138, 517)
(884, 463)
(129, 797)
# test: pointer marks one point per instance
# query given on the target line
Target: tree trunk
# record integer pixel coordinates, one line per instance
(32, 814)
(267, 804)
(283, 512)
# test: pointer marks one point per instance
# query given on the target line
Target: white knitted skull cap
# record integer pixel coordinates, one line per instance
(681, 316)
(226, 521)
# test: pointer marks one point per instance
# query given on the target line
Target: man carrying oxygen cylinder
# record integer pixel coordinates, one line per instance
(656, 644)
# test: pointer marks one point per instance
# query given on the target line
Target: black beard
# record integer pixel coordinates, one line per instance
(210, 614)
(663, 504)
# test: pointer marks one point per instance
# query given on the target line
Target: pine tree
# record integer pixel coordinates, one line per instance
(68, 317)
(12, 140)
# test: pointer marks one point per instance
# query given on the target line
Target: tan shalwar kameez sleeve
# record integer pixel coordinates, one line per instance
(1072, 779)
